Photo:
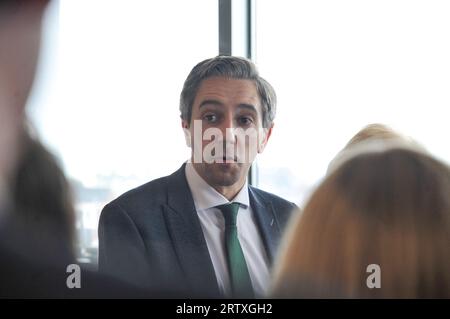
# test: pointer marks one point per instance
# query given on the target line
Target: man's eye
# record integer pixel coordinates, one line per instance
(211, 118)
(245, 120)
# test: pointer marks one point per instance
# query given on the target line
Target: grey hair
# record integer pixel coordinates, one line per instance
(230, 67)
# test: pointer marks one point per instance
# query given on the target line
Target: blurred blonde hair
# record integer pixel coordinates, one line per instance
(390, 207)
(375, 131)
(374, 135)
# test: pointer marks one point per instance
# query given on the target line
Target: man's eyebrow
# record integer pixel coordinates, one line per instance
(210, 102)
(248, 107)
(218, 103)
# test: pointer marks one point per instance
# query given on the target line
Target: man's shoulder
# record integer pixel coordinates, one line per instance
(153, 190)
(149, 194)
(273, 199)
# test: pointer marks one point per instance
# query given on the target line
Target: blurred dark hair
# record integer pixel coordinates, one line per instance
(42, 199)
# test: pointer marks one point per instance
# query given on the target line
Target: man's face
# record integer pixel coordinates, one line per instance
(223, 108)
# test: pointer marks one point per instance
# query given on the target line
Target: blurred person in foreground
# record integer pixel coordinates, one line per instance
(20, 32)
(36, 216)
(20, 23)
(37, 233)
(382, 211)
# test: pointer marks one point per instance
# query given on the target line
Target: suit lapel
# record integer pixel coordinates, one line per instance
(267, 222)
(187, 236)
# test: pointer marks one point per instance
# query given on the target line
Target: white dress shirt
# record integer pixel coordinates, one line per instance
(213, 226)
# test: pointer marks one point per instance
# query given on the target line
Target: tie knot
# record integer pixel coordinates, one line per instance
(229, 212)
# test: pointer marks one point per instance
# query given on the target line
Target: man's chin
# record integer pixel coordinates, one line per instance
(223, 174)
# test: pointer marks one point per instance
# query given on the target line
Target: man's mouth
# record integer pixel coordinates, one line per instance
(225, 159)
(229, 159)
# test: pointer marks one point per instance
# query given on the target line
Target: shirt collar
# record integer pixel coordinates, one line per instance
(206, 196)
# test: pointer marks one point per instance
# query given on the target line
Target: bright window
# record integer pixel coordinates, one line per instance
(339, 65)
(106, 101)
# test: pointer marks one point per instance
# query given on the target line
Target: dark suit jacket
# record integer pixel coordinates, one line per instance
(151, 236)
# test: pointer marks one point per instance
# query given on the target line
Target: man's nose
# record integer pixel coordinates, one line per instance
(227, 128)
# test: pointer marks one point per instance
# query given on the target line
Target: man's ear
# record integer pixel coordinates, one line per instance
(187, 132)
(264, 138)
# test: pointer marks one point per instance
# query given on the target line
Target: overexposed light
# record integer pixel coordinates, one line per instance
(340, 65)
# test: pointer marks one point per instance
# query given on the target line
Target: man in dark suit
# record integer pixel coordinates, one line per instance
(203, 229)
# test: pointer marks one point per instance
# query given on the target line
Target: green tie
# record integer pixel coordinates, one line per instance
(241, 284)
